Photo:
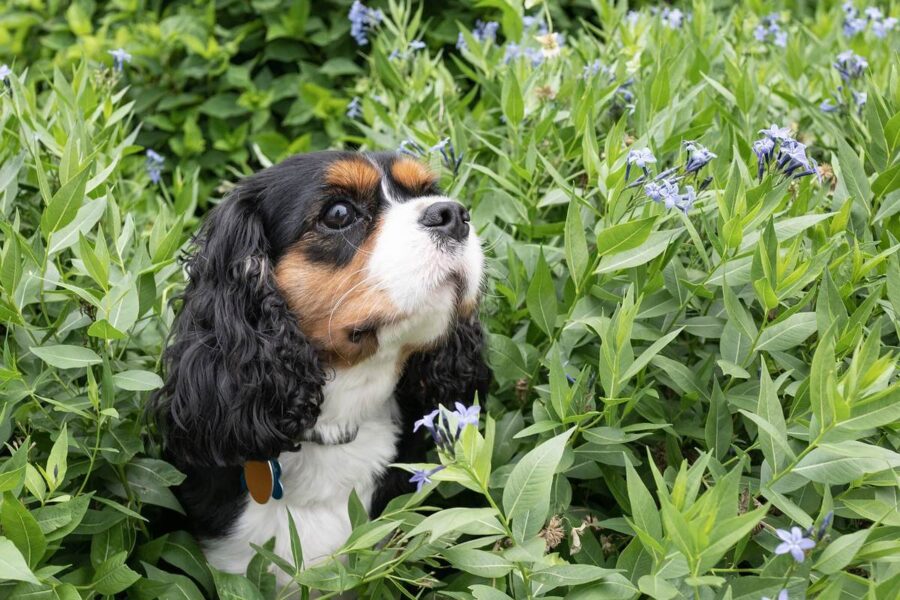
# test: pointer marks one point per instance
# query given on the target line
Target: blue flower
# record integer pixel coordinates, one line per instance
(685, 201)
(698, 157)
(427, 422)
(854, 26)
(760, 33)
(633, 17)
(672, 18)
(794, 543)
(664, 191)
(860, 98)
(782, 595)
(5, 72)
(416, 45)
(421, 478)
(467, 415)
(120, 57)
(362, 20)
(485, 31)
(354, 109)
(873, 13)
(827, 106)
(640, 157)
(154, 165)
(849, 10)
(530, 22)
(850, 65)
(776, 133)
(881, 28)
(511, 52)
(826, 523)
(764, 150)
(780, 39)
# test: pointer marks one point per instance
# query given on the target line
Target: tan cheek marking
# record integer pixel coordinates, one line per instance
(412, 174)
(330, 302)
(353, 174)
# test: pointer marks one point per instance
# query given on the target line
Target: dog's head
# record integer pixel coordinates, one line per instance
(310, 266)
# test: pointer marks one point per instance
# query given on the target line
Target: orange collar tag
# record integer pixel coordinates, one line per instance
(263, 480)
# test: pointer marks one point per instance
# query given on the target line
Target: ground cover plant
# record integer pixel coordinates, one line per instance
(691, 221)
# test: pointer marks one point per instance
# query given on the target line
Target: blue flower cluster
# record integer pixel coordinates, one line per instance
(485, 31)
(851, 67)
(665, 187)
(672, 18)
(624, 98)
(362, 20)
(444, 426)
(769, 30)
(854, 23)
(450, 159)
(787, 154)
(549, 45)
(5, 72)
(154, 165)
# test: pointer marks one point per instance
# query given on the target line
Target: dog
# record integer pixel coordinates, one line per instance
(332, 300)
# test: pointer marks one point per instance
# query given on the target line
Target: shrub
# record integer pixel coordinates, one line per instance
(693, 315)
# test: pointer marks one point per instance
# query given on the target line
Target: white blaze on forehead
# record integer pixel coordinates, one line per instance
(416, 272)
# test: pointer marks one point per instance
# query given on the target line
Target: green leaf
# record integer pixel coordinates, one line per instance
(541, 297)
(624, 236)
(788, 333)
(822, 383)
(513, 105)
(719, 429)
(182, 551)
(22, 529)
(844, 462)
(478, 562)
(773, 439)
(12, 563)
(66, 357)
(853, 175)
(114, 576)
(840, 552)
(559, 575)
(137, 380)
(235, 587)
(472, 521)
(528, 488)
(643, 509)
(64, 205)
(656, 244)
(575, 243)
(57, 462)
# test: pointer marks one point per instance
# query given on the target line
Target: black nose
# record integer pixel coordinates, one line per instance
(448, 219)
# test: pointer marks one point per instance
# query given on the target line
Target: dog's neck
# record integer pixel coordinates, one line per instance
(356, 395)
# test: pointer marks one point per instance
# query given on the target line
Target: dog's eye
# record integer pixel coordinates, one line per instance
(339, 215)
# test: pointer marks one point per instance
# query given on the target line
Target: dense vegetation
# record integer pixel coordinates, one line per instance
(691, 222)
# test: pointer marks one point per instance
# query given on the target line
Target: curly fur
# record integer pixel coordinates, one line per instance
(242, 381)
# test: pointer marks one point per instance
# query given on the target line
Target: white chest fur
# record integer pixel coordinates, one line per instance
(318, 479)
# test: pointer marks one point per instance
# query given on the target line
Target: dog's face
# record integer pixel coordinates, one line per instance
(311, 266)
(368, 252)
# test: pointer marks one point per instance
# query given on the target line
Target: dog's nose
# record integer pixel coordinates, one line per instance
(449, 219)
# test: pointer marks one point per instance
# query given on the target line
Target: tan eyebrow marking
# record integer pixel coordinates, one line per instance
(353, 174)
(412, 174)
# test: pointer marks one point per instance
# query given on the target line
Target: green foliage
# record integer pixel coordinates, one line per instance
(670, 388)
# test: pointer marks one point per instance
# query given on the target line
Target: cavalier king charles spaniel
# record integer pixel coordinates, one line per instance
(332, 301)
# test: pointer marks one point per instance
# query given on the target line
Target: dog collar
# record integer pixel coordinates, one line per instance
(262, 478)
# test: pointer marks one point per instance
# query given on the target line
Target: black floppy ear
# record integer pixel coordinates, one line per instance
(242, 381)
(451, 372)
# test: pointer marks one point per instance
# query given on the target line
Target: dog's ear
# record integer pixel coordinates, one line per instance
(451, 372)
(242, 382)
